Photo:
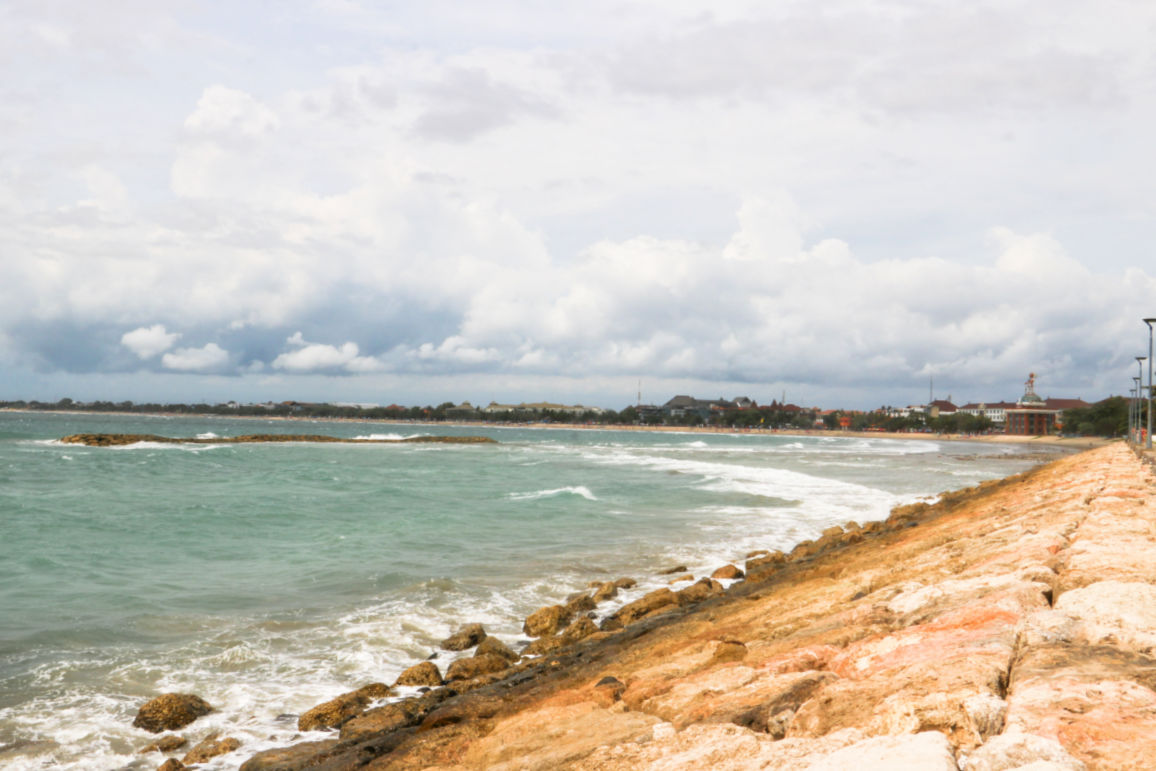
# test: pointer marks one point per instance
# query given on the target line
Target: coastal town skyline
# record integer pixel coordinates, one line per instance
(335, 200)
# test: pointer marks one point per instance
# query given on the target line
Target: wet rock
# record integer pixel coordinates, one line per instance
(209, 748)
(582, 628)
(386, 718)
(172, 764)
(171, 711)
(333, 713)
(463, 639)
(546, 621)
(467, 669)
(765, 564)
(579, 603)
(169, 743)
(492, 646)
(648, 604)
(625, 583)
(697, 592)
(727, 573)
(425, 673)
(680, 579)
(672, 571)
(298, 756)
(544, 645)
(605, 591)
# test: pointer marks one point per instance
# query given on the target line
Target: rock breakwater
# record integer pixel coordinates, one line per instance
(117, 440)
(1009, 624)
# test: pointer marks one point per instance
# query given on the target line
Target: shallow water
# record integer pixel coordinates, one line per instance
(267, 578)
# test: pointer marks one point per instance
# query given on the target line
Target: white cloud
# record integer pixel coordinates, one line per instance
(313, 357)
(147, 342)
(210, 357)
(228, 112)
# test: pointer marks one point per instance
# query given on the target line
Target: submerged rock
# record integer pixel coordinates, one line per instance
(168, 743)
(727, 573)
(209, 748)
(170, 711)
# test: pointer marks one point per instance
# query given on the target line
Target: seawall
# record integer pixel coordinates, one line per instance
(1010, 624)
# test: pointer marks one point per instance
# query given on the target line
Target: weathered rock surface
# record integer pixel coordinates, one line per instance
(465, 638)
(334, 713)
(546, 621)
(172, 764)
(492, 646)
(425, 673)
(170, 711)
(169, 743)
(210, 747)
(727, 573)
(467, 669)
(288, 758)
(1007, 626)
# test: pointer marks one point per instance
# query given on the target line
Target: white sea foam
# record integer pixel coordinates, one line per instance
(207, 435)
(383, 437)
(579, 490)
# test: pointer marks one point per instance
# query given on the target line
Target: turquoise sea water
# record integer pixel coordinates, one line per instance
(268, 578)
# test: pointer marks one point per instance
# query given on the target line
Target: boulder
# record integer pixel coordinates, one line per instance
(625, 583)
(392, 716)
(579, 603)
(699, 591)
(425, 673)
(605, 591)
(287, 758)
(468, 669)
(172, 764)
(165, 744)
(210, 747)
(170, 711)
(583, 627)
(335, 712)
(492, 646)
(727, 573)
(546, 621)
(646, 605)
(544, 645)
(466, 637)
(764, 563)
(673, 570)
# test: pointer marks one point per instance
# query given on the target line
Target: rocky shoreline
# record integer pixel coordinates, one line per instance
(1010, 625)
(117, 440)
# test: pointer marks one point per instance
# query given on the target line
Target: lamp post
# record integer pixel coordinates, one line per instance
(1139, 391)
(1148, 443)
(1134, 435)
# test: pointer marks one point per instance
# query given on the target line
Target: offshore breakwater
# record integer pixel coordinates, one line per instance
(1005, 625)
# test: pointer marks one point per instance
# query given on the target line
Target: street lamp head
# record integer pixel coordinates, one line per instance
(1150, 322)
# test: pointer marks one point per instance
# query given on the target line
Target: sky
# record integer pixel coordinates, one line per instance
(851, 204)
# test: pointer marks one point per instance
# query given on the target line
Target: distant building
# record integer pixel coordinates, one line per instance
(1036, 416)
(996, 412)
(681, 406)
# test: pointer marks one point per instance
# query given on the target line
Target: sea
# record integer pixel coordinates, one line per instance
(268, 578)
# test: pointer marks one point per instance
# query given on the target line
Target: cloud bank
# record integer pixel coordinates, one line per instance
(842, 204)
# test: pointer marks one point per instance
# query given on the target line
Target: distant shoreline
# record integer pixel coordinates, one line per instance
(1070, 443)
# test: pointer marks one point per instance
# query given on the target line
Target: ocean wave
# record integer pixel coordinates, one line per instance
(579, 490)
